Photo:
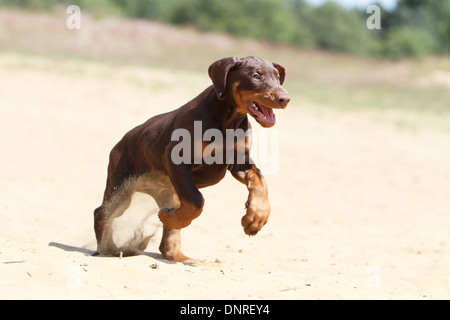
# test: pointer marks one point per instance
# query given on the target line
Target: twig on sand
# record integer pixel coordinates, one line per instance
(12, 261)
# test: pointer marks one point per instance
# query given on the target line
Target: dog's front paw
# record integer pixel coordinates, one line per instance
(256, 217)
(170, 219)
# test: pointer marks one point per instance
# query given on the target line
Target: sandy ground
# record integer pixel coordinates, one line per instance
(360, 208)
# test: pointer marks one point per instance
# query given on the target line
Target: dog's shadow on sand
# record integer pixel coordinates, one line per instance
(89, 252)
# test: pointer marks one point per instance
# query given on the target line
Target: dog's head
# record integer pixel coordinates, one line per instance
(254, 84)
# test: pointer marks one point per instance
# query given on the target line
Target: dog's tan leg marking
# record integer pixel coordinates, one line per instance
(258, 206)
(170, 246)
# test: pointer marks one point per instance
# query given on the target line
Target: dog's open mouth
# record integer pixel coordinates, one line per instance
(264, 115)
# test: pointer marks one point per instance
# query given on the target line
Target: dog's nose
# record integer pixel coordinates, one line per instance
(283, 99)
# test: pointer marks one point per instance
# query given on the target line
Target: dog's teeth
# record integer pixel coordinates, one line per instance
(254, 105)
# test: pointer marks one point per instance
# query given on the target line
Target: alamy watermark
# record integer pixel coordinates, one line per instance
(73, 22)
(216, 147)
(374, 21)
(73, 281)
(374, 280)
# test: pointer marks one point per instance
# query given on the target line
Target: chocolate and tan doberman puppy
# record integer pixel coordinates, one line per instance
(143, 161)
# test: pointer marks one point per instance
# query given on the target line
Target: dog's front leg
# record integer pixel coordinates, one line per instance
(257, 205)
(190, 197)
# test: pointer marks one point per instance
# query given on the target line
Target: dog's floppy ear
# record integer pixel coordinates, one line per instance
(218, 72)
(281, 71)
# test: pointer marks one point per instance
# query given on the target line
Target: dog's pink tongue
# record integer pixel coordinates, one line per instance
(268, 113)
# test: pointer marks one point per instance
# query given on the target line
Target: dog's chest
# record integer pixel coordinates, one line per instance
(207, 175)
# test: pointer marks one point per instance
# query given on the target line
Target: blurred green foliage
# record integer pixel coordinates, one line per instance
(414, 28)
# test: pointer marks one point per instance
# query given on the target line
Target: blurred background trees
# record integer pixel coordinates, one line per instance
(414, 28)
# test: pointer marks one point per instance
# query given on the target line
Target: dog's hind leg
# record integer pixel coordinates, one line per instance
(115, 202)
(170, 246)
(159, 186)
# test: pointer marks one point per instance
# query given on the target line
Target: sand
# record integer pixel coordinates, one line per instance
(360, 207)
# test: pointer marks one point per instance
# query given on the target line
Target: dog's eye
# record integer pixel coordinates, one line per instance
(256, 76)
